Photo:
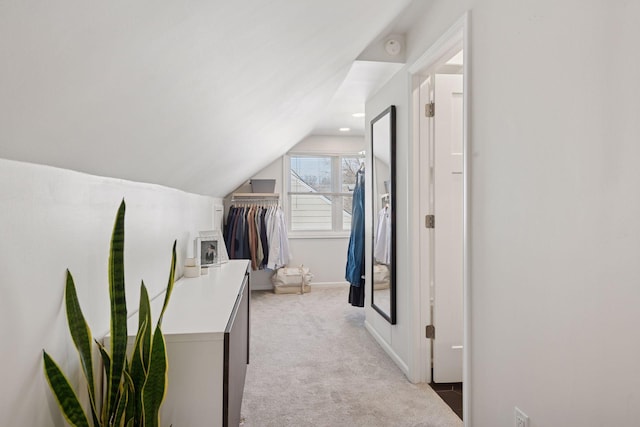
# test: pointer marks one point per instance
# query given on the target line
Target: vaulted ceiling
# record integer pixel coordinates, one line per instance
(196, 95)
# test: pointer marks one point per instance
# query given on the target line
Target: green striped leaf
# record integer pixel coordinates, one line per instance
(154, 387)
(144, 328)
(64, 394)
(172, 276)
(133, 392)
(118, 418)
(118, 311)
(123, 399)
(106, 359)
(141, 349)
(130, 410)
(81, 335)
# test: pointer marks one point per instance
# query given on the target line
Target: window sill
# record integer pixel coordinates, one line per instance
(319, 234)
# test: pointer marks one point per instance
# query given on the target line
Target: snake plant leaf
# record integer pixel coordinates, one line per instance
(123, 400)
(138, 362)
(132, 391)
(118, 311)
(119, 419)
(94, 416)
(172, 276)
(141, 349)
(130, 412)
(154, 387)
(143, 344)
(106, 362)
(106, 359)
(64, 394)
(81, 335)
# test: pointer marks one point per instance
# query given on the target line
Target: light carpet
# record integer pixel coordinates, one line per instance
(312, 363)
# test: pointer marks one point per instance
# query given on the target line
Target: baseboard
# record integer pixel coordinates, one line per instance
(387, 348)
(261, 287)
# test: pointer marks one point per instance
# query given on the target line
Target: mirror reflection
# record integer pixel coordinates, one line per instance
(383, 144)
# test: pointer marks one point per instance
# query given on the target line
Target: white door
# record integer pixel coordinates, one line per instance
(448, 253)
(422, 96)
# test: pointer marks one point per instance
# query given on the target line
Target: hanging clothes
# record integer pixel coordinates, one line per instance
(259, 234)
(382, 244)
(355, 252)
(263, 238)
(279, 254)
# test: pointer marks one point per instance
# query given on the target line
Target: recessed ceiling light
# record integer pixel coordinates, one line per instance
(344, 129)
(358, 114)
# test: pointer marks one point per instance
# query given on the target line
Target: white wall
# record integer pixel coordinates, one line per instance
(53, 219)
(397, 337)
(330, 145)
(325, 257)
(555, 200)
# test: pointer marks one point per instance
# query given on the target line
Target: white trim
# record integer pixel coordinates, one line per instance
(421, 262)
(387, 348)
(418, 353)
(262, 287)
(466, 280)
(446, 42)
(457, 34)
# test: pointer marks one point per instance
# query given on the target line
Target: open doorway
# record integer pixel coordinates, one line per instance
(439, 129)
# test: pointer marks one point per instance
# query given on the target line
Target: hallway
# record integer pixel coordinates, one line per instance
(312, 363)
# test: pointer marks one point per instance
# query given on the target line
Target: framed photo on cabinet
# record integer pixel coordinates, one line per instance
(206, 251)
(209, 249)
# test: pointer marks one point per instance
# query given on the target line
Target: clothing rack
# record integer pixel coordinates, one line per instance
(256, 229)
(243, 199)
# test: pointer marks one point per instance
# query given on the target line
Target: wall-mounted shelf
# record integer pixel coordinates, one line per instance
(255, 195)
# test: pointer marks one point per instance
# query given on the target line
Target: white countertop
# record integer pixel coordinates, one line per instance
(200, 307)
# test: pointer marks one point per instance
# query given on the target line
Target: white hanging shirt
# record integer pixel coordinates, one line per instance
(382, 247)
(279, 254)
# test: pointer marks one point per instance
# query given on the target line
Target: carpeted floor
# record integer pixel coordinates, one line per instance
(314, 364)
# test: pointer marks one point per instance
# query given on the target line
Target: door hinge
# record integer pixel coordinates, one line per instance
(430, 332)
(430, 221)
(430, 109)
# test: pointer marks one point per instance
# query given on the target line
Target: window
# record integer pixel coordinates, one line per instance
(321, 192)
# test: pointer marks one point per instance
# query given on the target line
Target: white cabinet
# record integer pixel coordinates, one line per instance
(206, 328)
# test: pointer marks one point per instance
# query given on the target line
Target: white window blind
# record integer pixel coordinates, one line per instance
(321, 192)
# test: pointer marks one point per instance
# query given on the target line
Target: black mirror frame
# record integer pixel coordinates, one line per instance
(391, 111)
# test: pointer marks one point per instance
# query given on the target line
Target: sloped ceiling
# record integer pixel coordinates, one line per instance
(195, 95)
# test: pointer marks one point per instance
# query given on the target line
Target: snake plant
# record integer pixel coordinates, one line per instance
(133, 387)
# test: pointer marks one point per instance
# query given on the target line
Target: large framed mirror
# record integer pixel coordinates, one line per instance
(383, 195)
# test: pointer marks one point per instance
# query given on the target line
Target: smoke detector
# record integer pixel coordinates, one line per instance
(393, 47)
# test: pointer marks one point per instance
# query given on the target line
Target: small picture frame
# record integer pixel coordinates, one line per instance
(207, 251)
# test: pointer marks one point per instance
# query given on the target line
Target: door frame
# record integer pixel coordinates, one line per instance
(456, 35)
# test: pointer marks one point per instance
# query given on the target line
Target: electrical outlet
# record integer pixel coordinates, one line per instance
(521, 419)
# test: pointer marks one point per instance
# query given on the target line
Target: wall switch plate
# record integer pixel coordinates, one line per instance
(521, 419)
